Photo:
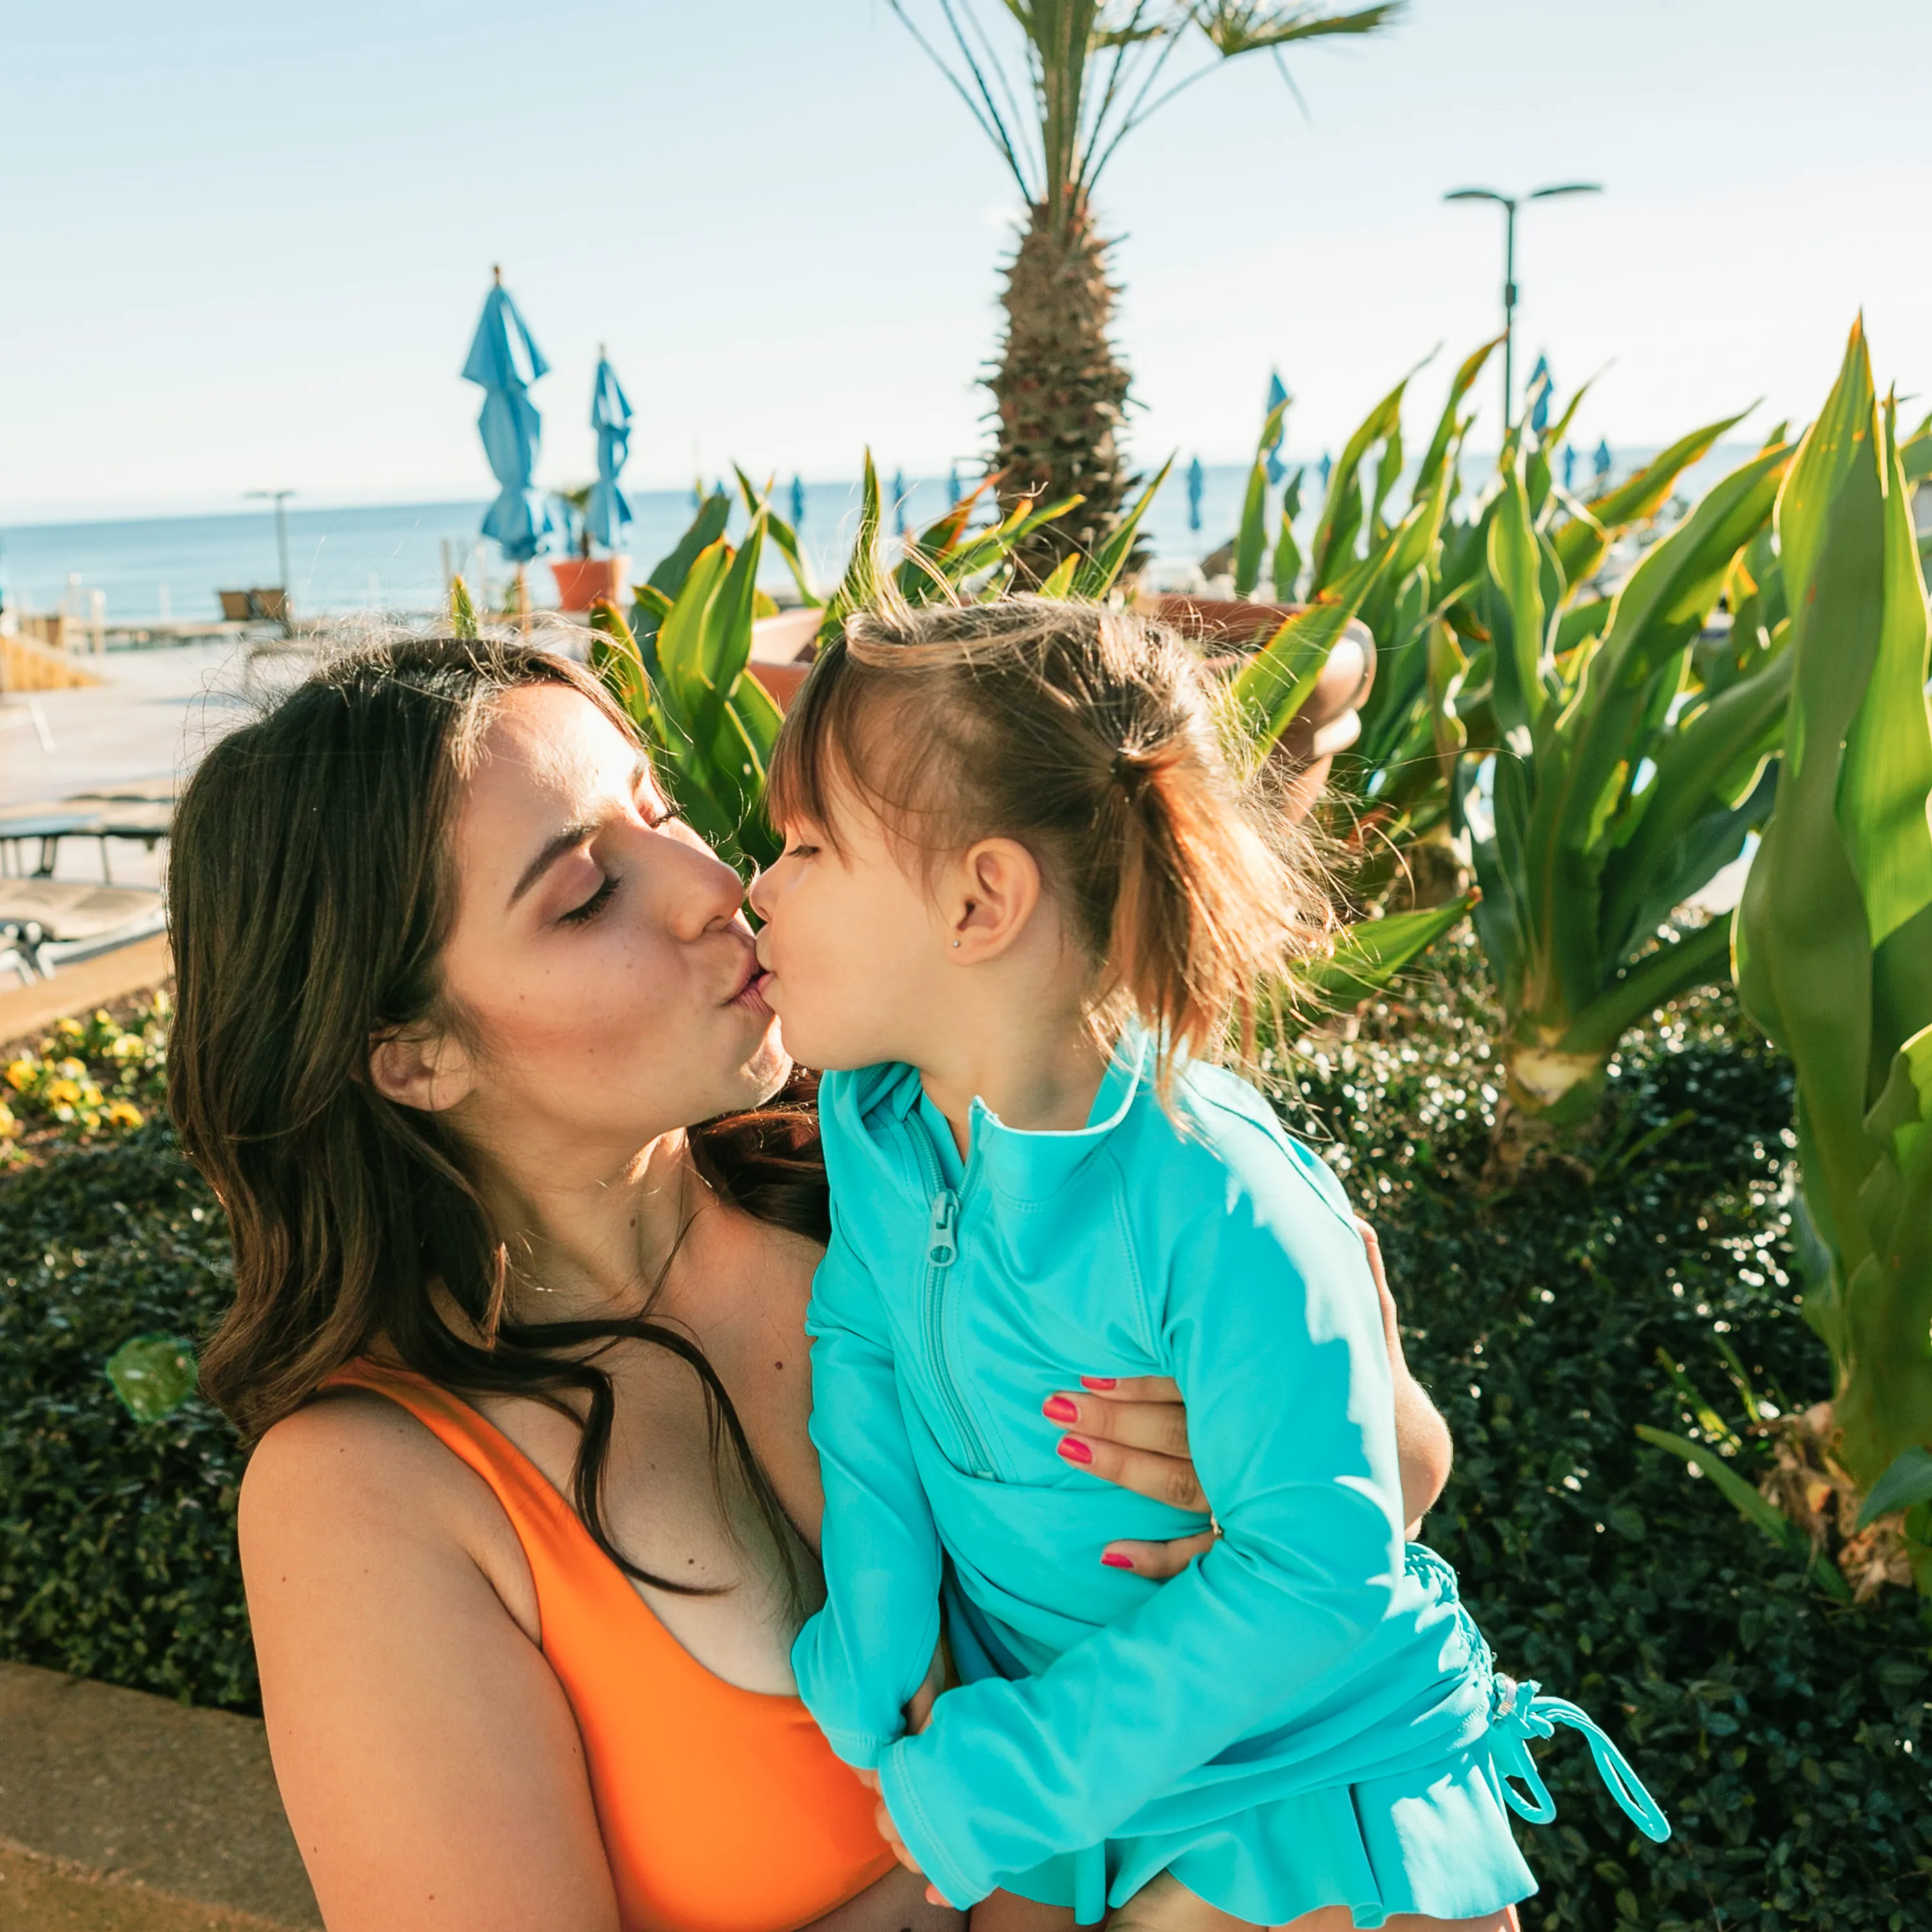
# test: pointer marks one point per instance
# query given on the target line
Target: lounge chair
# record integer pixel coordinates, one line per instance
(47, 923)
(143, 811)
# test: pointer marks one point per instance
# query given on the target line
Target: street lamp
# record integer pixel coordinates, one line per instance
(1509, 204)
(279, 498)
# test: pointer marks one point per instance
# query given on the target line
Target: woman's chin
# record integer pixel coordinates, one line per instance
(769, 1066)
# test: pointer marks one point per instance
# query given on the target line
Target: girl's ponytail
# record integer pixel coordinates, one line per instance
(1207, 917)
(1088, 735)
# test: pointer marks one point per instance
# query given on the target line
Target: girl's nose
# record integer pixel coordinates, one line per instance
(756, 896)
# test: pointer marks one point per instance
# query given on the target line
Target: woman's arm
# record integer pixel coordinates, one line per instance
(1136, 1432)
(427, 1759)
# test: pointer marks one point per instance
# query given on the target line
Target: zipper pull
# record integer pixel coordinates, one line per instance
(942, 1249)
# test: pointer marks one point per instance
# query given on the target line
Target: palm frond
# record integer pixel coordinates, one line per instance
(1246, 26)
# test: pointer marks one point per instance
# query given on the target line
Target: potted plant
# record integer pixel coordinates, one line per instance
(581, 578)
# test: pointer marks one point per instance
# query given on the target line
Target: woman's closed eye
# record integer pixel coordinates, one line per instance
(582, 914)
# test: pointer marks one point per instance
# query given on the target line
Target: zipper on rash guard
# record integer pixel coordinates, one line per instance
(942, 1250)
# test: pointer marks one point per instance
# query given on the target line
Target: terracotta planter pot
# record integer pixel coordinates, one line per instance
(581, 580)
(1328, 723)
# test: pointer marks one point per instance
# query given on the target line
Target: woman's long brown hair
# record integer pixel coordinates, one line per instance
(310, 894)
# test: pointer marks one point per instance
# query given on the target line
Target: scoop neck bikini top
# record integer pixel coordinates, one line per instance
(722, 1809)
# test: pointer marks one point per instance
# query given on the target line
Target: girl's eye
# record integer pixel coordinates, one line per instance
(582, 915)
(796, 851)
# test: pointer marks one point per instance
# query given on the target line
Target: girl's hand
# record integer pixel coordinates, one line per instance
(1132, 1431)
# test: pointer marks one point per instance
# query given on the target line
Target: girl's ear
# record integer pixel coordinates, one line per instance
(421, 1067)
(993, 892)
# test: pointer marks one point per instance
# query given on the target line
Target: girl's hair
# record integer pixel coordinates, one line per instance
(1088, 735)
(311, 890)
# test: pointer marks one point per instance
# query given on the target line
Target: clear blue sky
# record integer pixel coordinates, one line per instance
(243, 245)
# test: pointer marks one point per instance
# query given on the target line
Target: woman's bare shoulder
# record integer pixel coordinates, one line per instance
(355, 1475)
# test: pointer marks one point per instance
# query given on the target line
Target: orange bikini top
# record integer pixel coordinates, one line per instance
(722, 1810)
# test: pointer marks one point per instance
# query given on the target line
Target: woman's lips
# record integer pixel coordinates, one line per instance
(750, 994)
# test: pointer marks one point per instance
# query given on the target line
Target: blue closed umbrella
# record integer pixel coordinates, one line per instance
(899, 501)
(797, 501)
(1277, 395)
(1327, 464)
(1569, 465)
(1541, 384)
(609, 514)
(504, 362)
(953, 492)
(1197, 480)
(1604, 459)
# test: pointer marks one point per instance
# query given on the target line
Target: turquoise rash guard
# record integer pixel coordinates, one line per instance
(1305, 1716)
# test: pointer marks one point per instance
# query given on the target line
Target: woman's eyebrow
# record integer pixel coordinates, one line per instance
(571, 837)
(574, 835)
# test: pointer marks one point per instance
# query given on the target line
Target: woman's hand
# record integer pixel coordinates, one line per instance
(1132, 1431)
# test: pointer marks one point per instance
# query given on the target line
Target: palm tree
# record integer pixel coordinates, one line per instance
(1084, 75)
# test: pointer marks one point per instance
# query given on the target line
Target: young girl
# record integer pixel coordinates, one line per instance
(1020, 906)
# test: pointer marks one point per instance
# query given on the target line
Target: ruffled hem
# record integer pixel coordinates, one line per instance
(1435, 1841)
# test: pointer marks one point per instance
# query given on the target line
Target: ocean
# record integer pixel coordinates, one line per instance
(396, 557)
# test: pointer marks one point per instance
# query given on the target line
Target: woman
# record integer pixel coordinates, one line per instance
(466, 1043)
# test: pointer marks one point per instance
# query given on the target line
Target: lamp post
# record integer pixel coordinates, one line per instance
(1509, 204)
(280, 499)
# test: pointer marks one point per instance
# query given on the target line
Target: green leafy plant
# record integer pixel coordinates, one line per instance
(1619, 783)
(1834, 941)
(680, 666)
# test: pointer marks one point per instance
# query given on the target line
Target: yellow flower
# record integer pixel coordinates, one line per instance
(20, 1074)
(9, 1126)
(62, 1093)
(128, 1046)
(72, 1070)
(69, 1029)
(123, 1114)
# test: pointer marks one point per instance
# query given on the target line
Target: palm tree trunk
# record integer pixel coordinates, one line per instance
(1061, 391)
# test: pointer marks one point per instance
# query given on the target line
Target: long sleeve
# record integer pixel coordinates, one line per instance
(863, 1655)
(1271, 1323)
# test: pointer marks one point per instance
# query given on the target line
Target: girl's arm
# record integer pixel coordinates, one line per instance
(427, 1756)
(863, 1657)
(1136, 1430)
(1272, 1322)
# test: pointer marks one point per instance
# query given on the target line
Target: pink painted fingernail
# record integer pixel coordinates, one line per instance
(1100, 1382)
(1114, 1560)
(1057, 1409)
(1075, 1450)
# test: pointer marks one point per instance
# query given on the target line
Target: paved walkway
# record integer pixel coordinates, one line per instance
(119, 1811)
(152, 717)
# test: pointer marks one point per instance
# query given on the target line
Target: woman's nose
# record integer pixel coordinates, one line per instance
(711, 892)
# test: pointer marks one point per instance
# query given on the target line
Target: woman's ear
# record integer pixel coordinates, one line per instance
(420, 1067)
(993, 892)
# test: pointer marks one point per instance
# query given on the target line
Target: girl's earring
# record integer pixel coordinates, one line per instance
(955, 946)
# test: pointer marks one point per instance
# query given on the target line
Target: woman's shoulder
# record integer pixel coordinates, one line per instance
(353, 1473)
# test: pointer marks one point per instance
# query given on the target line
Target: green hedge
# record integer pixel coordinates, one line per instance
(117, 1540)
(1787, 1738)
